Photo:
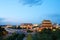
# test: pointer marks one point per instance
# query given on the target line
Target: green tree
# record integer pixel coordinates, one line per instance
(45, 34)
(29, 37)
(16, 37)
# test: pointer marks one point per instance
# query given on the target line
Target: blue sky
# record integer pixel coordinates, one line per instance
(29, 11)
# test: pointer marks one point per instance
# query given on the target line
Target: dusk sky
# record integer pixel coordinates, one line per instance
(29, 11)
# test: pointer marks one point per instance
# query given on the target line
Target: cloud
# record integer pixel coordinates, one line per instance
(55, 17)
(31, 2)
(1, 19)
(4, 21)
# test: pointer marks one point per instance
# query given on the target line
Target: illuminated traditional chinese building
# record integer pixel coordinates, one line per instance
(46, 24)
(26, 25)
(35, 25)
(9, 26)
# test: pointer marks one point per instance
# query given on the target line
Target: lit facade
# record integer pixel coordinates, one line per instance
(26, 25)
(35, 25)
(46, 24)
(9, 26)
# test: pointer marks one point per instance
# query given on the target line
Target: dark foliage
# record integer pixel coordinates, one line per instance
(47, 34)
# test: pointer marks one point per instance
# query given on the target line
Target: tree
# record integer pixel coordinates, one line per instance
(3, 32)
(16, 37)
(29, 37)
(45, 34)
